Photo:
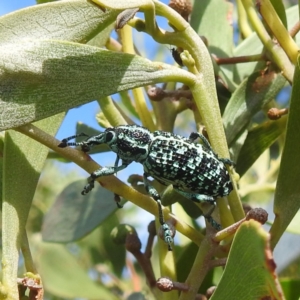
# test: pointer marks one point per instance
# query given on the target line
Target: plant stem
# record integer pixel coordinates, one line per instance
(140, 101)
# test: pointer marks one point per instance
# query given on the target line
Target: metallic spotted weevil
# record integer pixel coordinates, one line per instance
(194, 170)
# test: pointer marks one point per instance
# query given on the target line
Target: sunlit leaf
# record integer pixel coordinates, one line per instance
(23, 161)
(73, 20)
(249, 272)
(287, 195)
(43, 78)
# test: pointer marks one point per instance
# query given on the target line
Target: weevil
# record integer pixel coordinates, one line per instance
(194, 169)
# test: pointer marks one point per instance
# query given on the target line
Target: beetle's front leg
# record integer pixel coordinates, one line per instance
(154, 194)
(105, 171)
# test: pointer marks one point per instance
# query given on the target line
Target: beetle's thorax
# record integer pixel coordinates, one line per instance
(131, 143)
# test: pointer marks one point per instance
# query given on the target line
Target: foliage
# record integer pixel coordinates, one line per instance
(52, 59)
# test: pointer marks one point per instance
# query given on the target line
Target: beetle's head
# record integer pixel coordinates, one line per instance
(130, 142)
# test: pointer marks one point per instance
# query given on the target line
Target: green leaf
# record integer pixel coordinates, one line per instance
(294, 225)
(258, 140)
(290, 288)
(220, 35)
(252, 94)
(23, 161)
(287, 195)
(280, 10)
(249, 272)
(100, 247)
(74, 20)
(47, 77)
(64, 277)
(252, 45)
(122, 5)
(73, 216)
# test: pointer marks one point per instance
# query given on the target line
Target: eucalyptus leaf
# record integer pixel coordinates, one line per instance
(248, 273)
(280, 10)
(73, 216)
(219, 36)
(42, 78)
(64, 277)
(71, 20)
(253, 45)
(287, 195)
(23, 161)
(258, 140)
(252, 94)
(126, 4)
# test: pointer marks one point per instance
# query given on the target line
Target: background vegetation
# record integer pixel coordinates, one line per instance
(52, 59)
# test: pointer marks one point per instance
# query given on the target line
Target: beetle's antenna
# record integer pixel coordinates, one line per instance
(65, 142)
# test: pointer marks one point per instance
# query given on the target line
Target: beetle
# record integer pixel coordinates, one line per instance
(194, 169)
(176, 55)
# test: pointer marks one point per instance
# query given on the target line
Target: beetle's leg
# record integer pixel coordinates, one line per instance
(200, 198)
(194, 135)
(117, 161)
(154, 194)
(210, 219)
(196, 197)
(105, 171)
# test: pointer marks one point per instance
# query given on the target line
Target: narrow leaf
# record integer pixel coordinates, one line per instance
(42, 78)
(250, 269)
(116, 4)
(258, 140)
(23, 161)
(64, 277)
(73, 216)
(72, 20)
(287, 195)
(252, 94)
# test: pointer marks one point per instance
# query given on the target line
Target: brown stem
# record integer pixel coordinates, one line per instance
(238, 59)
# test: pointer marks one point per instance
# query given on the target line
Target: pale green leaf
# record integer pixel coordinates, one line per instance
(73, 215)
(72, 20)
(249, 272)
(258, 140)
(125, 4)
(64, 277)
(23, 161)
(252, 94)
(42, 78)
(287, 196)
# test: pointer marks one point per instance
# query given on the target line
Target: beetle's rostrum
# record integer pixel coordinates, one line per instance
(194, 169)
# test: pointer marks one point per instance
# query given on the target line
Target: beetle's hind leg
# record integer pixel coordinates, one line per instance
(202, 198)
(210, 219)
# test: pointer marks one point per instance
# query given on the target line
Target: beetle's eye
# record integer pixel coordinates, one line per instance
(109, 136)
(142, 150)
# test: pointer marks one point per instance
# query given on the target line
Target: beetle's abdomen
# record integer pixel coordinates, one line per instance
(190, 167)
